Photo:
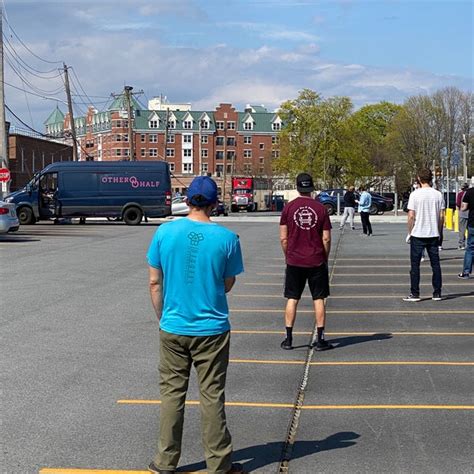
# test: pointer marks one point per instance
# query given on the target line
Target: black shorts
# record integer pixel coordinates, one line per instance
(317, 278)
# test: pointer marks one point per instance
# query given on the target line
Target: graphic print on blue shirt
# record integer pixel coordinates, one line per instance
(195, 258)
(191, 255)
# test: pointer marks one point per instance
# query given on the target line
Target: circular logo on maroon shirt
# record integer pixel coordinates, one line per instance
(305, 217)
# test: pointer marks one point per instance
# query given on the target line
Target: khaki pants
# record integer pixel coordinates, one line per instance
(210, 357)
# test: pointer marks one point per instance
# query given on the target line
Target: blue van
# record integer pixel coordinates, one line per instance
(125, 190)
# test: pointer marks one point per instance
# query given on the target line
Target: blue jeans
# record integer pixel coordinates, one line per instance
(469, 254)
(417, 244)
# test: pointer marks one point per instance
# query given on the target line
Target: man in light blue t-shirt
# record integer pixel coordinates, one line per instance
(193, 263)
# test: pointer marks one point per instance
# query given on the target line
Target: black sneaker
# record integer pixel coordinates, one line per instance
(152, 468)
(412, 298)
(286, 344)
(323, 346)
(236, 468)
(437, 297)
(463, 276)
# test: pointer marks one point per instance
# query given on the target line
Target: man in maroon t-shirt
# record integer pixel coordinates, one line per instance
(305, 235)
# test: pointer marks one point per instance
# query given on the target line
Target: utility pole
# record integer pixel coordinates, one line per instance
(127, 91)
(464, 157)
(3, 129)
(71, 113)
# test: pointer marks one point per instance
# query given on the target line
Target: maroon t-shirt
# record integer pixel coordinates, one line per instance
(306, 219)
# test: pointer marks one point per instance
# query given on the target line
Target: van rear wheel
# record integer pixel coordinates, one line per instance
(132, 215)
(26, 216)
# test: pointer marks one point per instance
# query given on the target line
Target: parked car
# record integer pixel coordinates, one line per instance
(221, 210)
(380, 204)
(179, 206)
(8, 218)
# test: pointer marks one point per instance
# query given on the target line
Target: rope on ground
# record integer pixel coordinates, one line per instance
(287, 451)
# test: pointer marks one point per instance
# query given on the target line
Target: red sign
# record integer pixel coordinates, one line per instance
(4, 175)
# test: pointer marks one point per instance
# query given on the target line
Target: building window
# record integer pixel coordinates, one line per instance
(171, 165)
(204, 125)
(126, 152)
(247, 153)
(230, 155)
(230, 125)
(170, 139)
(260, 169)
(231, 141)
(262, 146)
(143, 138)
(153, 123)
(118, 152)
(187, 153)
(229, 169)
(121, 137)
(154, 138)
(142, 152)
(219, 155)
(275, 140)
(187, 168)
(170, 152)
(276, 126)
(219, 125)
(247, 168)
(204, 153)
(188, 125)
(261, 160)
(153, 152)
(275, 153)
(171, 124)
(204, 139)
(247, 140)
(187, 138)
(204, 167)
(248, 126)
(219, 168)
(219, 141)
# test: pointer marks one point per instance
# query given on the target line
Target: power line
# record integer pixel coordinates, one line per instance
(26, 47)
(25, 124)
(82, 88)
(55, 99)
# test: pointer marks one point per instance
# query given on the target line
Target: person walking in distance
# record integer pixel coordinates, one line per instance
(305, 236)
(349, 208)
(468, 205)
(463, 217)
(365, 201)
(425, 223)
(193, 263)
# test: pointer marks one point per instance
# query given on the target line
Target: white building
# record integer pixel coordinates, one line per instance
(162, 103)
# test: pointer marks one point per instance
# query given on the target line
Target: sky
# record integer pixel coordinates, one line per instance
(242, 52)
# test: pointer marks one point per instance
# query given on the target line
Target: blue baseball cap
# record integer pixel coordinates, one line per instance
(202, 191)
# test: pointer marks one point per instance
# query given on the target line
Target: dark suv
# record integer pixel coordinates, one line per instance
(328, 198)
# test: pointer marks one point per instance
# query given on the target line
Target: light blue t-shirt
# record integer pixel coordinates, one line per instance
(195, 257)
(365, 201)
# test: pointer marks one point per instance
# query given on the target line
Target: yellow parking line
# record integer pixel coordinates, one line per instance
(353, 311)
(352, 363)
(360, 333)
(313, 407)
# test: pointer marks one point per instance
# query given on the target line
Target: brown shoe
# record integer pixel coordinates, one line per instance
(155, 470)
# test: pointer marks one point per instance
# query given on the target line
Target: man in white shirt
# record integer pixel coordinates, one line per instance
(425, 226)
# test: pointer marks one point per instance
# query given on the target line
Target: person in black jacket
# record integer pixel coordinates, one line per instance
(349, 208)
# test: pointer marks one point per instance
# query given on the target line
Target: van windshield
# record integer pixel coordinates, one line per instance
(33, 181)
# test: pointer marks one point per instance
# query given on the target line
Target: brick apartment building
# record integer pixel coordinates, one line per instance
(28, 154)
(192, 142)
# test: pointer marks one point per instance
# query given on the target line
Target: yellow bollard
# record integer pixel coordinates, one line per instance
(456, 220)
(449, 218)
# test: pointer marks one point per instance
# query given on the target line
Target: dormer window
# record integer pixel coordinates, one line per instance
(153, 123)
(276, 126)
(248, 126)
(171, 124)
(204, 124)
(188, 124)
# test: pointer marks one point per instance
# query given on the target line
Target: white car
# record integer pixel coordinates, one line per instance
(179, 206)
(8, 218)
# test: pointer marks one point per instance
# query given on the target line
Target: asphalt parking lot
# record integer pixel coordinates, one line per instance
(79, 358)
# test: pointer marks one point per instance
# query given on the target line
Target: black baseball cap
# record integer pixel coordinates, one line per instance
(304, 183)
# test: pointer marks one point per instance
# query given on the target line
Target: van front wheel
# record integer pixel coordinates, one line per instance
(132, 216)
(26, 216)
